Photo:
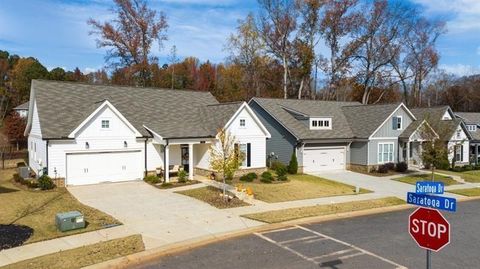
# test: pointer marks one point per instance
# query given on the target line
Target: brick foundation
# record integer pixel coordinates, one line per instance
(361, 168)
(59, 182)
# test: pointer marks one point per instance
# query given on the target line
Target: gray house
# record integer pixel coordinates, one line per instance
(472, 123)
(328, 135)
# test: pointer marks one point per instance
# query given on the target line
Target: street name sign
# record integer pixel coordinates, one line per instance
(426, 187)
(429, 229)
(432, 201)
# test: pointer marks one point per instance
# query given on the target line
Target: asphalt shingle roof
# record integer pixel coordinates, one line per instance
(434, 116)
(471, 118)
(349, 119)
(62, 106)
(23, 106)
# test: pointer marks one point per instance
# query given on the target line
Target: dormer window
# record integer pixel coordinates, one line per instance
(320, 123)
(472, 128)
(105, 124)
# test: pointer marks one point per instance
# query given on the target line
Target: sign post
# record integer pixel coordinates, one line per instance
(426, 224)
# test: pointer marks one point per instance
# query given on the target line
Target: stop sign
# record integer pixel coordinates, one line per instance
(429, 229)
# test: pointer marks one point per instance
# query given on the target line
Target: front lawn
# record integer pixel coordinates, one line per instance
(36, 210)
(472, 176)
(471, 192)
(321, 210)
(84, 256)
(299, 187)
(427, 177)
(212, 196)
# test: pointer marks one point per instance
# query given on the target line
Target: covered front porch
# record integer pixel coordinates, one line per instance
(474, 151)
(412, 153)
(182, 154)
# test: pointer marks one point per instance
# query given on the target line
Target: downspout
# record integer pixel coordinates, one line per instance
(146, 139)
(46, 157)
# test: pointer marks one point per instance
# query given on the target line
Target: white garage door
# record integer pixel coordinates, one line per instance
(323, 159)
(100, 167)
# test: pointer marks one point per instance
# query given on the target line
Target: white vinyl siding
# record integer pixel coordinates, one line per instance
(385, 152)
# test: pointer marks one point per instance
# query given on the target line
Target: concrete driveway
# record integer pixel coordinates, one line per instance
(161, 216)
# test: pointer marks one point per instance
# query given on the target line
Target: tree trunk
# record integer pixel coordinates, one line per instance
(300, 89)
(285, 73)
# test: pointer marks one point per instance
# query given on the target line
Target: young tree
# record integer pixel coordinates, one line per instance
(15, 126)
(434, 152)
(225, 159)
(130, 36)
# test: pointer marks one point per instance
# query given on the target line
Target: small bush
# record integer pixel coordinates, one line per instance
(401, 167)
(265, 180)
(457, 169)
(382, 169)
(282, 178)
(267, 176)
(468, 167)
(252, 176)
(229, 176)
(281, 171)
(477, 167)
(390, 166)
(444, 164)
(246, 178)
(182, 176)
(45, 183)
(293, 165)
(276, 164)
(152, 179)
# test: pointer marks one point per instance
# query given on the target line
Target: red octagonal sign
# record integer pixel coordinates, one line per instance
(429, 229)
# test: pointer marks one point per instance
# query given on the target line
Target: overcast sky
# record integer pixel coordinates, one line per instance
(55, 31)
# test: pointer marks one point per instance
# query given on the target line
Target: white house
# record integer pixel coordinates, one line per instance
(89, 134)
(22, 109)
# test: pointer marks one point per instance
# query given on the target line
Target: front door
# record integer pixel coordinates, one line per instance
(185, 157)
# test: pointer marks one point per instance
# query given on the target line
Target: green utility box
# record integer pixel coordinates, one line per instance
(67, 221)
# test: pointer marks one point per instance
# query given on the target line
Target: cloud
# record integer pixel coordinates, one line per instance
(89, 70)
(460, 69)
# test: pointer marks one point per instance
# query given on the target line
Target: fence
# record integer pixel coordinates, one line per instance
(10, 157)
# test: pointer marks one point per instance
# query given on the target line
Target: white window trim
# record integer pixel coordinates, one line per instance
(240, 123)
(101, 124)
(401, 123)
(472, 127)
(383, 146)
(320, 127)
(244, 163)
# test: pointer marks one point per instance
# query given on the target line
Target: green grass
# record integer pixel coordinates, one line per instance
(36, 209)
(212, 196)
(84, 256)
(469, 176)
(321, 210)
(471, 192)
(427, 177)
(299, 187)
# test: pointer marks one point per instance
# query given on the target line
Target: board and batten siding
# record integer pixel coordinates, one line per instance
(388, 130)
(373, 150)
(282, 142)
(98, 139)
(37, 147)
(359, 153)
(459, 140)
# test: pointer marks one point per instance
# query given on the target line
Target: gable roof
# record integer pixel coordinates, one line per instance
(63, 106)
(366, 119)
(434, 116)
(471, 118)
(23, 106)
(349, 119)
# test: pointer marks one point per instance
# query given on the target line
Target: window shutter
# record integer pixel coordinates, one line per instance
(461, 152)
(248, 154)
(394, 123)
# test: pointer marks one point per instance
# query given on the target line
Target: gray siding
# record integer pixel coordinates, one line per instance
(373, 150)
(387, 128)
(282, 143)
(359, 153)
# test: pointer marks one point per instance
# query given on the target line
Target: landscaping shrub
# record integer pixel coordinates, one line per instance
(401, 167)
(152, 179)
(265, 180)
(282, 178)
(45, 183)
(477, 167)
(267, 176)
(281, 171)
(276, 164)
(467, 168)
(457, 169)
(246, 178)
(444, 164)
(382, 169)
(252, 176)
(390, 166)
(293, 165)
(229, 176)
(182, 176)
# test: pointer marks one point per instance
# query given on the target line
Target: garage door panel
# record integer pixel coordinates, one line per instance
(100, 167)
(323, 159)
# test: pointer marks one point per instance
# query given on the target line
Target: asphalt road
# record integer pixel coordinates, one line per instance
(375, 241)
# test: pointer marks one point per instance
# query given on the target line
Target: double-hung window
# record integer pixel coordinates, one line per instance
(105, 124)
(459, 153)
(246, 150)
(385, 152)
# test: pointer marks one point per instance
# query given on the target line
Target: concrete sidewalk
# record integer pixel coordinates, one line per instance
(37, 249)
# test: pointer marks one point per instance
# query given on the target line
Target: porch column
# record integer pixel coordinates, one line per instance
(190, 161)
(408, 153)
(476, 154)
(166, 165)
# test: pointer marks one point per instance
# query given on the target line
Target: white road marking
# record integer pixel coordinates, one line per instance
(298, 239)
(314, 240)
(285, 247)
(352, 246)
(280, 230)
(351, 255)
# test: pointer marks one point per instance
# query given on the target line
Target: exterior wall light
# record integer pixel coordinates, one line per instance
(87, 146)
(125, 144)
